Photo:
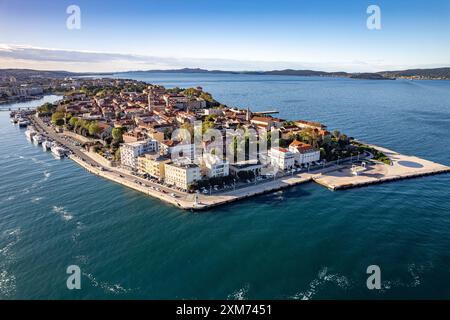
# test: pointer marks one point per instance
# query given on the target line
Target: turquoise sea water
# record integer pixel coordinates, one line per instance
(305, 242)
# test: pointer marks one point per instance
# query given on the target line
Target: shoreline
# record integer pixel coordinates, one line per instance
(334, 178)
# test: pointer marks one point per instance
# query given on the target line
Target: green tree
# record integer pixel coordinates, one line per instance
(117, 133)
(57, 117)
(94, 128)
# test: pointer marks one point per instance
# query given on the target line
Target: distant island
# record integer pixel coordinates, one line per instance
(414, 74)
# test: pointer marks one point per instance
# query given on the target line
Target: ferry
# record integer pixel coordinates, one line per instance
(47, 145)
(38, 139)
(58, 152)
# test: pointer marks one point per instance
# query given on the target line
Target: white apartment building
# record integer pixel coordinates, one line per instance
(129, 152)
(304, 153)
(175, 149)
(215, 166)
(181, 174)
(282, 158)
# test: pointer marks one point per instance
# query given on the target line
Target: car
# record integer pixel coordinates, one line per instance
(173, 195)
(205, 191)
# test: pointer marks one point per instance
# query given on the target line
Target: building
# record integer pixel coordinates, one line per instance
(177, 149)
(250, 166)
(304, 153)
(129, 152)
(309, 124)
(282, 158)
(214, 166)
(153, 164)
(181, 174)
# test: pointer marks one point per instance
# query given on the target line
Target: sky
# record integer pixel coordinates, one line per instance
(323, 35)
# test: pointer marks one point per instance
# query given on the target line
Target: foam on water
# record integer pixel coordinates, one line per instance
(239, 294)
(66, 215)
(114, 288)
(317, 284)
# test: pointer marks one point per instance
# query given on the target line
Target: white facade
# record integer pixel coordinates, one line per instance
(178, 150)
(181, 175)
(215, 167)
(129, 152)
(304, 154)
(282, 158)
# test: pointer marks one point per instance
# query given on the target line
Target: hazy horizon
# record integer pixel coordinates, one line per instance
(224, 35)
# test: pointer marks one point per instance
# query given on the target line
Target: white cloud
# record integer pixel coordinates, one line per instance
(22, 56)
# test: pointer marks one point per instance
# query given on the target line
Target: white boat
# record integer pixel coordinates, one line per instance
(23, 122)
(58, 151)
(30, 133)
(38, 139)
(46, 145)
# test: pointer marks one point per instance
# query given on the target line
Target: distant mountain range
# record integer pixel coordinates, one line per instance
(437, 73)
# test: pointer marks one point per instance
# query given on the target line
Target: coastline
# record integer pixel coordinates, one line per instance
(334, 178)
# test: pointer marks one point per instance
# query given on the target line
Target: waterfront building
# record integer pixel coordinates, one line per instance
(214, 166)
(129, 152)
(176, 149)
(304, 153)
(181, 174)
(253, 166)
(282, 158)
(153, 164)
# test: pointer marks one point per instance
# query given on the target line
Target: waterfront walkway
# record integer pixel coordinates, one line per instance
(333, 177)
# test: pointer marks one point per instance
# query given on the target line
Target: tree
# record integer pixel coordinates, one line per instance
(57, 117)
(336, 134)
(94, 128)
(117, 133)
(73, 121)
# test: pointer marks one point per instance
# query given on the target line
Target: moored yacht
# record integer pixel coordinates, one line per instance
(30, 132)
(23, 122)
(38, 139)
(58, 151)
(46, 145)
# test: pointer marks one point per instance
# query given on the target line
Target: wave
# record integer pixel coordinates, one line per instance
(46, 175)
(7, 284)
(322, 278)
(7, 279)
(239, 294)
(66, 215)
(108, 288)
(36, 199)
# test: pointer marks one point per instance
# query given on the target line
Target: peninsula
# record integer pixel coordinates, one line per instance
(185, 148)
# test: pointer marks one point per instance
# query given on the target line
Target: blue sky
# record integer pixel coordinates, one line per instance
(237, 35)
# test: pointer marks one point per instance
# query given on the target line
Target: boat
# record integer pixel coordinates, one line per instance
(58, 151)
(30, 132)
(23, 122)
(38, 139)
(47, 145)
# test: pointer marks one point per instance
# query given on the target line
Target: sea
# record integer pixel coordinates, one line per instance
(305, 242)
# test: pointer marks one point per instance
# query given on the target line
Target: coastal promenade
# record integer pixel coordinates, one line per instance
(334, 177)
(402, 167)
